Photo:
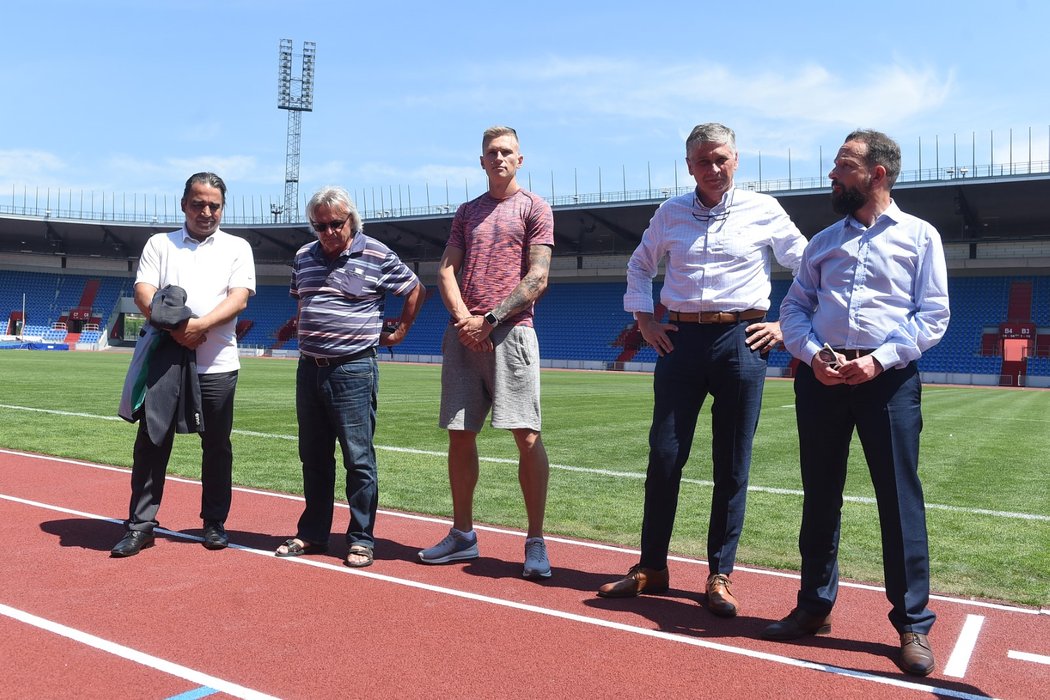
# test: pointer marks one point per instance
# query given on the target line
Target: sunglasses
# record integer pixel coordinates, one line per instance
(335, 226)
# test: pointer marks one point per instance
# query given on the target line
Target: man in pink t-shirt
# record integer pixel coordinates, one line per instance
(494, 268)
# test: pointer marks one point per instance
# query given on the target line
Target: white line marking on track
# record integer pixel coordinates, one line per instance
(1025, 656)
(504, 531)
(964, 646)
(466, 595)
(134, 655)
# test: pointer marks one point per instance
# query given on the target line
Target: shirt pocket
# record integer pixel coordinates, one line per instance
(737, 245)
(356, 283)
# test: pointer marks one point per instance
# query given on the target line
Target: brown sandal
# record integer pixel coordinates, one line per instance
(292, 548)
(359, 550)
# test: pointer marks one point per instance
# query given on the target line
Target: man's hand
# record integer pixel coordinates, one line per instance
(858, 371)
(655, 333)
(474, 333)
(391, 335)
(764, 336)
(190, 334)
(825, 369)
(863, 369)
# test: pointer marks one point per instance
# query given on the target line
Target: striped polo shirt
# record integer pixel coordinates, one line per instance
(341, 301)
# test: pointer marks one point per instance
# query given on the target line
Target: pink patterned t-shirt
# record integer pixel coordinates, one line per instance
(495, 235)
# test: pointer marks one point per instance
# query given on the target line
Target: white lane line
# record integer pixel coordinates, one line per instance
(515, 533)
(549, 612)
(173, 669)
(1025, 656)
(964, 646)
(612, 473)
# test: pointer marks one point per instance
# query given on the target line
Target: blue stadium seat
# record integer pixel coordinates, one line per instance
(574, 321)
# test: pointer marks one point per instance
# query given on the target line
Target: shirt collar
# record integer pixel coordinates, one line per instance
(723, 204)
(892, 212)
(356, 247)
(187, 238)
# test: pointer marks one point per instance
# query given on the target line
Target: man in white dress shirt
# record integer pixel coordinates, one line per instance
(217, 272)
(873, 287)
(717, 241)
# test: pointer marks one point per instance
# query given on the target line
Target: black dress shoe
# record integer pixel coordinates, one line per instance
(215, 536)
(132, 543)
(798, 623)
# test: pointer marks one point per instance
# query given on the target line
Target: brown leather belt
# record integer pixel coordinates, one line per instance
(336, 361)
(716, 316)
(854, 353)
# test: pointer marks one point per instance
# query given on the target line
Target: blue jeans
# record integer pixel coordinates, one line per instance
(707, 359)
(887, 415)
(338, 404)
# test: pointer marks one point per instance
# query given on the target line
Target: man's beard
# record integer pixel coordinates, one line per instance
(848, 200)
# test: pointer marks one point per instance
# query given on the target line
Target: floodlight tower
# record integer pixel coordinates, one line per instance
(297, 96)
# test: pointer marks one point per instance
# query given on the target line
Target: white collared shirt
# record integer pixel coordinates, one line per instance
(718, 259)
(207, 270)
(883, 288)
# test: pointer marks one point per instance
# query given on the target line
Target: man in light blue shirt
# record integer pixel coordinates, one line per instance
(870, 297)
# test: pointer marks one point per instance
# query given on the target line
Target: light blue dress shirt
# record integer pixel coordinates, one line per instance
(883, 288)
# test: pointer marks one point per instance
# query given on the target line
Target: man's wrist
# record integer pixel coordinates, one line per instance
(492, 319)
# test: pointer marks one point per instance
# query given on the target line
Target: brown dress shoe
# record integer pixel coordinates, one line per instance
(798, 623)
(638, 580)
(916, 655)
(720, 600)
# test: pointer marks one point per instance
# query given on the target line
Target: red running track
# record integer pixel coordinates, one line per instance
(178, 621)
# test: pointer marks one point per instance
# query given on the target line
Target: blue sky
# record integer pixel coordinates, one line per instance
(132, 96)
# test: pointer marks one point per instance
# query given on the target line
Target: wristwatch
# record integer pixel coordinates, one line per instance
(490, 318)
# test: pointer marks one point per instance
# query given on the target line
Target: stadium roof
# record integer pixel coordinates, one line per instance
(964, 210)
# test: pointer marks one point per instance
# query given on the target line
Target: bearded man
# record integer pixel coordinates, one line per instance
(873, 290)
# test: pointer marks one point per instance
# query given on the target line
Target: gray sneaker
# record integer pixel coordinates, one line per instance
(536, 563)
(455, 547)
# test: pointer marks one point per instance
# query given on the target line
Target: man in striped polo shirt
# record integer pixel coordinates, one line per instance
(493, 270)
(341, 281)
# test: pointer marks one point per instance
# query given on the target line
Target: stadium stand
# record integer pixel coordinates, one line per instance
(576, 321)
(79, 272)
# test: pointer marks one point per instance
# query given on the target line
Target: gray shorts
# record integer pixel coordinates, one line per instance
(506, 380)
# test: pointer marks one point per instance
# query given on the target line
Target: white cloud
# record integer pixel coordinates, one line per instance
(29, 166)
(435, 175)
(810, 93)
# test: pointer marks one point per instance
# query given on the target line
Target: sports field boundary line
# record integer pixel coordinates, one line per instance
(517, 533)
(515, 605)
(134, 655)
(612, 473)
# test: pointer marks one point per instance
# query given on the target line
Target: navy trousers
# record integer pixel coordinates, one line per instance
(886, 413)
(707, 359)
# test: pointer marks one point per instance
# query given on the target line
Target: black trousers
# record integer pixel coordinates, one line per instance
(151, 461)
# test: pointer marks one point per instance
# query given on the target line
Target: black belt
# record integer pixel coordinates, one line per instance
(716, 316)
(341, 360)
(854, 353)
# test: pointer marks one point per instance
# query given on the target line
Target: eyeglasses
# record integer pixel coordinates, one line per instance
(335, 226)
(706, 215)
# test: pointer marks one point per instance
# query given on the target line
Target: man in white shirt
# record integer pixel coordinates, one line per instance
(873, 290)
(217, 271)
(717, 242)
